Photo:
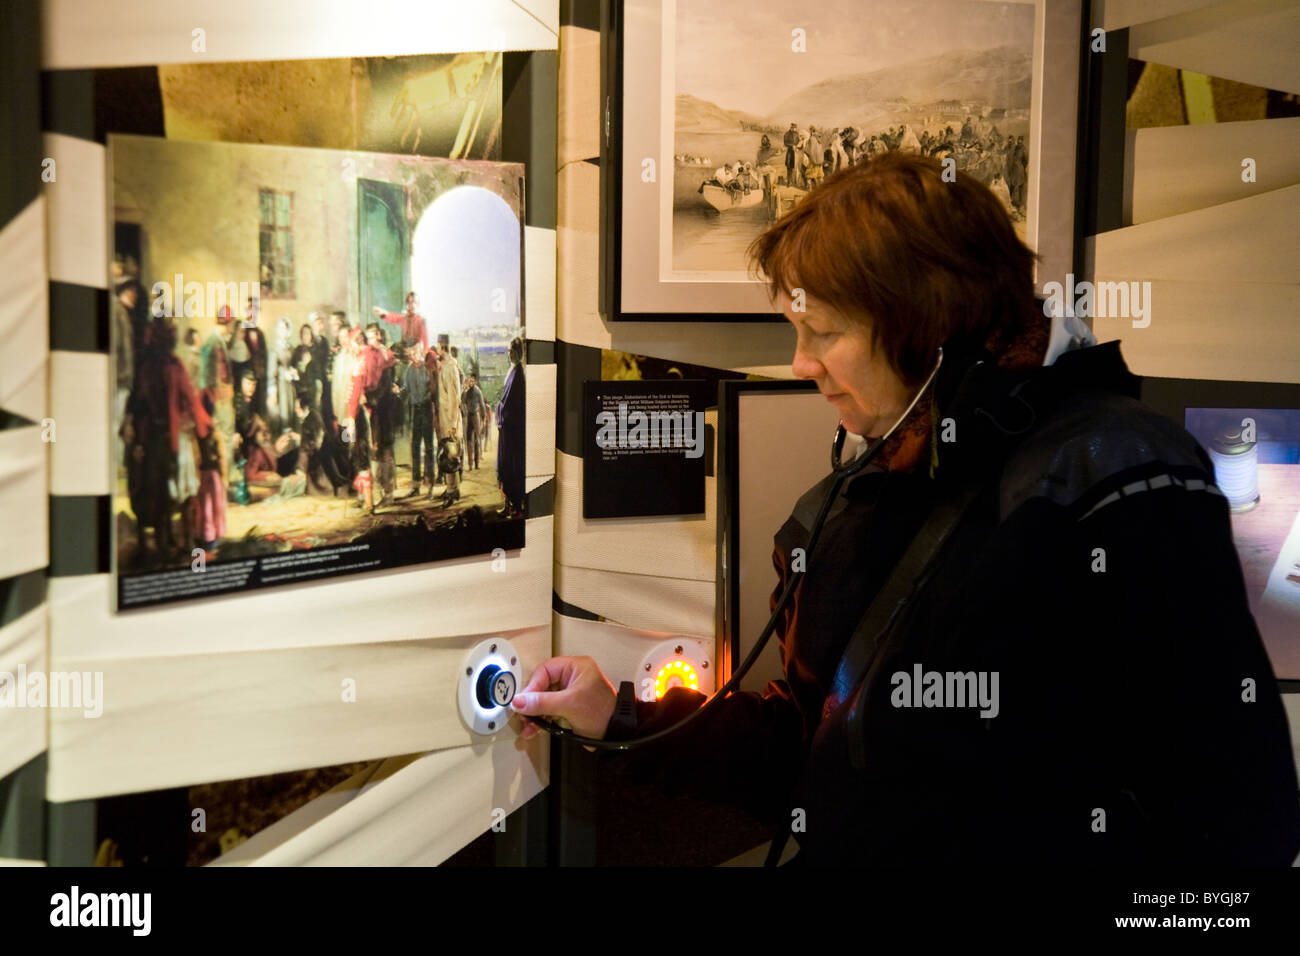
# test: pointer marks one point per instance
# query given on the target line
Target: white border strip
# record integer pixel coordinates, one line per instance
(88, 33)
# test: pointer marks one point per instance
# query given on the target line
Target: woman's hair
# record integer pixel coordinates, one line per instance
(517, 351)
(891, 242)
(306, 327)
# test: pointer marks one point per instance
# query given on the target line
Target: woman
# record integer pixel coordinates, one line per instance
(1075, 676)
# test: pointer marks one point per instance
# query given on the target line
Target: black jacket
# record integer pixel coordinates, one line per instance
(1137, 719)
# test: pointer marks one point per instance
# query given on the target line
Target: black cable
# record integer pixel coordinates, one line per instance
(795, 576)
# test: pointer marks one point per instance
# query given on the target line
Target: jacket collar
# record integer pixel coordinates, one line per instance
(983, 411)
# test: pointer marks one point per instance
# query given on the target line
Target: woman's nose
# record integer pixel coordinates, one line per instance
(804, 365)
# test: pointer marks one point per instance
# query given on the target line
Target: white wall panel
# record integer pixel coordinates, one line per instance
(1117, 14)
(1216, 330)
(579, 119)
(22, 729)
(24, 312)
(618, 650)
(79, 404)
(24, 501)
(646, 601)
(410, 812)
(84, 33)
(77, 211)
(450, 598)
(539, 284)
(1250, 41)
(540, 427)
(174, 721)
(1250, 240)
(1179, 169)
(669, 546)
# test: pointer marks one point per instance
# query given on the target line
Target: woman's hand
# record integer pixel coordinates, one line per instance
(571, 689)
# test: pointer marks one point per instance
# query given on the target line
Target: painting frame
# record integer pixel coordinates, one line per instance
(631, 275)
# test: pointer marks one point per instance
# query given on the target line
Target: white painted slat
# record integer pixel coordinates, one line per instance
(1250, 240)
(668, 546)
(1217, 330)
(80, 456)
(645, 601)
(539, 285)
(77, 211)
(546, 11)
(1179, 169)
(22, 729)
(579, 119)
(1250, 41)
(87, 33)
(175, 721)
(24, 501)
(618, 650)
(24, 312)
(418, 813)
(1117, 14)
(449, 598)
(540, 434)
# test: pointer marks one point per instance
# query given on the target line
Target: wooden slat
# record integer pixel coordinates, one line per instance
(22, 729)
(180, 720)
(645, 601)
(85, 33)
(24, 501)
(1250, 41)
(1216, 330)
(440, 600)
(539, 287)
(77, 212)
(1250, 240)
(412, 812)
(668, 546)
(24, 313)
(579, 116)
(81, 457)
(1180, 169)
(618, 650)
(1117, 14)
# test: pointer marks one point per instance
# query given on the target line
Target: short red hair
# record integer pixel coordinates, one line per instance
(922, 259)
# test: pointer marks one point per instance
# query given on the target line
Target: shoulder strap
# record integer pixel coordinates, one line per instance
(897, 592)
(884, 610)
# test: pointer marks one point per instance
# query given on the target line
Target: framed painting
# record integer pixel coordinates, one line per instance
(307, 345)
(720, 116)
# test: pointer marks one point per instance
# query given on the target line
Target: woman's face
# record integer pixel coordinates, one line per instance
(304, 335)
(836, 353)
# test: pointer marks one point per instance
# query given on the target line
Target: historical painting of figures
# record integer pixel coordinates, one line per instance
(732, 111)
(318, 364)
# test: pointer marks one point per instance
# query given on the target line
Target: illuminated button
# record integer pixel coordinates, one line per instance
(676, 673)
(496, 687)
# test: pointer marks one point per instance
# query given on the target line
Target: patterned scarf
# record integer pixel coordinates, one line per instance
(1016, 343)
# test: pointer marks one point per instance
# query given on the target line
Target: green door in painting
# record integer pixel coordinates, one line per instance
(384, 247)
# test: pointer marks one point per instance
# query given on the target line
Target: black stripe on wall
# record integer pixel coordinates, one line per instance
(21, 594)
(580, 13)
(79, 535)
(20, 146)
(541, 500)
(575, 364)
(530, 98)
(78, 318)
